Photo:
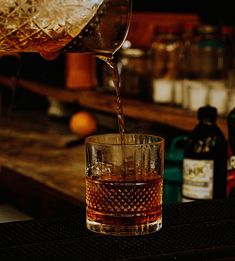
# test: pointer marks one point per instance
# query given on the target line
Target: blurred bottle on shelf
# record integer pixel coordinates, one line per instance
(231, 91)
(188, 39)
(167, 50)
(205, 159)
(227, 37)
(188, 36)
(80, 71)
(219, 86)
(228, 34)
(135, 68)
(135, 72)
(231, 153)
(211, 51)
(206, 83)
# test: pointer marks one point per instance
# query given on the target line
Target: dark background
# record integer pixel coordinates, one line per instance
(34, 67)
(210, 11)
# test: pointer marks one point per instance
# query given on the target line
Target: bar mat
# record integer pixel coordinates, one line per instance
(198, 230)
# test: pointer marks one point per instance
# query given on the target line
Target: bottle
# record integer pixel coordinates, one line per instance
(211, 51)
(206, 84)
(231, 154)
(189, 41)
(135, 72)
(189, 54)
(80, 71)
(205, 159)
(227, 37)
(167, 51)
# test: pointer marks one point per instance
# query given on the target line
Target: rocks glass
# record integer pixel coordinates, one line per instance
(124, 183)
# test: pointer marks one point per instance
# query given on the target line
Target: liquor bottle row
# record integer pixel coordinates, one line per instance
(186, 66)
(206, 169)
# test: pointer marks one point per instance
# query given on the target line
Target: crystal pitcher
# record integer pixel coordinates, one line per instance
(91, 26)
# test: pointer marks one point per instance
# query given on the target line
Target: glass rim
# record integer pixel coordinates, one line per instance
(89, 139)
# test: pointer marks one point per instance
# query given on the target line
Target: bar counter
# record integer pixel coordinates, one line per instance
(191, 231)
(44, 177)
(39, 173)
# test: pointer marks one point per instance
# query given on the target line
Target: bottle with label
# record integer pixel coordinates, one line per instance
(231, 154)
(205, 159)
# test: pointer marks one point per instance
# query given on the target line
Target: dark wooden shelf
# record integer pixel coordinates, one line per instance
(173, 117)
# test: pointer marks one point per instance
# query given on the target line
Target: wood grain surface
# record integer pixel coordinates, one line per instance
(33, 146)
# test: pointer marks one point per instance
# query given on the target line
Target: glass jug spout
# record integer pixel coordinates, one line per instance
(88, 26)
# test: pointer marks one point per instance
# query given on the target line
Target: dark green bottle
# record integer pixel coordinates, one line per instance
(231, 154)
(205, 159)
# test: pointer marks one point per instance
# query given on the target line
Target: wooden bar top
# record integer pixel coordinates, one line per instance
(33, 146)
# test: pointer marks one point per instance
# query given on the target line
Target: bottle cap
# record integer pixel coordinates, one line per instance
(207, 112)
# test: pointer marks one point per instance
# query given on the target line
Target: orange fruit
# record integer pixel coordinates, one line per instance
(82, 123)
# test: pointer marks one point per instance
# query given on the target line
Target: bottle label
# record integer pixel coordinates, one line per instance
(198, 178)
(231, 174)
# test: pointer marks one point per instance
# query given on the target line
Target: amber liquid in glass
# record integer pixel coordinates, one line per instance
(121, 206)
(134, 205)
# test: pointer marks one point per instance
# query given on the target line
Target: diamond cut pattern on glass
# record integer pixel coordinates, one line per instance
(120, 197)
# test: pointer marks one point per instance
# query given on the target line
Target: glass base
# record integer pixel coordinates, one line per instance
(120, 230)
